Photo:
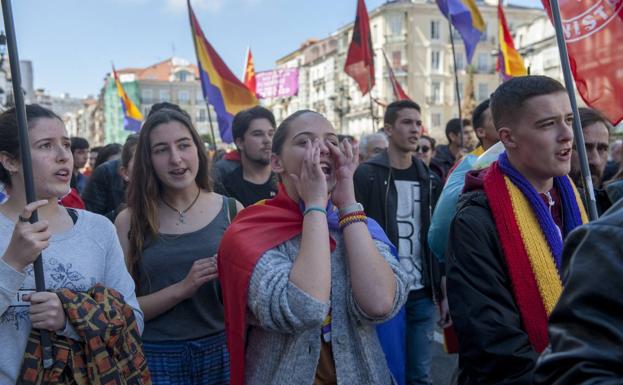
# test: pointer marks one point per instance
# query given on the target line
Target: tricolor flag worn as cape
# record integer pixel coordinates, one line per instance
(359, 63)
(132, 116)
(510, 62)
(221, 88)
(466, 18)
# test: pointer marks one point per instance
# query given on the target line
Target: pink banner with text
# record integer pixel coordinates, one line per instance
(279, 83)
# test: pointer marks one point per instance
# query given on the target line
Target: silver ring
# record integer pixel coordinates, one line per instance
(22, 219)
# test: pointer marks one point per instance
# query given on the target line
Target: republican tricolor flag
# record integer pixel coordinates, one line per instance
(510, 62)
(221, 88)
(132, 116)
(467, 20)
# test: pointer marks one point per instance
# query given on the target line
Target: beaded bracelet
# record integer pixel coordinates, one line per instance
(314, 208)
(355, 217)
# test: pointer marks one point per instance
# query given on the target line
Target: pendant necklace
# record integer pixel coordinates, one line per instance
(182, 213)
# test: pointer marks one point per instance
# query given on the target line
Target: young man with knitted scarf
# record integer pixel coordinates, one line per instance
(506, 239)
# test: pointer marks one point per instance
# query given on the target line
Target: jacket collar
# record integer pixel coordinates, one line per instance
(382, 160)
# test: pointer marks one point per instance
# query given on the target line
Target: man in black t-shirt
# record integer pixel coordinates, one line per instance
(253, 131)
(398, 191)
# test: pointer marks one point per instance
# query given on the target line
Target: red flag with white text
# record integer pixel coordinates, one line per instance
(593, 30)
(360, 58)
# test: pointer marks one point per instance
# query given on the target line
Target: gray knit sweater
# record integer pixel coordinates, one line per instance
(284, 338)
(77, 259)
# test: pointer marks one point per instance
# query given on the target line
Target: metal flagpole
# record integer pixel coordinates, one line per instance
(577, 127)
(204, 95)
(456, 76)
(371, 105)
(211, 125)
(24, 147)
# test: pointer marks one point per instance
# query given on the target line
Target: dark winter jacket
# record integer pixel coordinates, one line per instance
(105, 191)
(375, 190)
(444, 158)
(493, 346)
(586, 327)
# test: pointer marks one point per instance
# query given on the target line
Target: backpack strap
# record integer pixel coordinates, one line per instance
(232, 210)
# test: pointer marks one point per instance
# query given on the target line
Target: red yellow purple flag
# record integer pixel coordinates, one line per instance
(221, 88)
(510, 62)
(132, 116)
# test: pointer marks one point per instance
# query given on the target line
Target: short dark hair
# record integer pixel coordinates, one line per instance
(453, 126)
(78, 143)
(508, 98)
(243, 120)
(590, 116)
(477, 115)
(9, 136)
(431, 140)
(106, 152)
(391, 112)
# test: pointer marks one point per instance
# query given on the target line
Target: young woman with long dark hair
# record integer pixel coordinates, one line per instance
(170, 232)
(306, 275)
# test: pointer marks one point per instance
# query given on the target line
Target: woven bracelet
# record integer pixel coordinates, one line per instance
(314, 208)
(352, 218)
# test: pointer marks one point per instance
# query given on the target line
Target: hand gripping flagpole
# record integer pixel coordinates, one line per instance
(20, 110)
(577, 127)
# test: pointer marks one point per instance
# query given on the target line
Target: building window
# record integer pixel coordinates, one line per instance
(483, 62)
(435, 33)
(483, 37)
(460, 61)
(397, 60)
(183, 96)
(395, 25)
(183, 76)
(483, 91)
(165, 96)
(435, 120)
(147, 96)
(199, 97)
(435, 61)
(436, 92)
(202, 116)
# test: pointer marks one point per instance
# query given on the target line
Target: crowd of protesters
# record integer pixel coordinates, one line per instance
(308, 257)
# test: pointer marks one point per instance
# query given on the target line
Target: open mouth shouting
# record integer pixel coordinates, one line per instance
(63, 174)
(564, 154)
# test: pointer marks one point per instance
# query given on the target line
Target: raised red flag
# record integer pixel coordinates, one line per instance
(360, 58)
(399, 93)
(593, 30)
(249, 74)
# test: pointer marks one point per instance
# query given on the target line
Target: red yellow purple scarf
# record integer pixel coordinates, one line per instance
(531, 242)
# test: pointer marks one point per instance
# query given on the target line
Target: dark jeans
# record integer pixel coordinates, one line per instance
(420, 329)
